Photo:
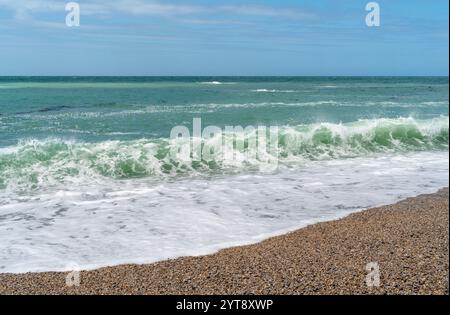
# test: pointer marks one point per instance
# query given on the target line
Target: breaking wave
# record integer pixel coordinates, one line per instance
(33, 164)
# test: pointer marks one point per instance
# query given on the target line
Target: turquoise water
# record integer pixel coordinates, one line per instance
(86, 176)
(59, 125)
(97, 109)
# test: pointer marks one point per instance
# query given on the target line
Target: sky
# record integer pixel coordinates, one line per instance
(224, 37)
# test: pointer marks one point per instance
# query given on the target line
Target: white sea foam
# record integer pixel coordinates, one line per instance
(273, 91)
(36, 164)
(110, 222)
(436, 103)
(214, 107)
(215, 83)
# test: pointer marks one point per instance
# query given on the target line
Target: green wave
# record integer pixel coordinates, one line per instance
(32, 164)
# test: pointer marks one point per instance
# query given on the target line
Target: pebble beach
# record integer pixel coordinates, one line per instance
(408, 241)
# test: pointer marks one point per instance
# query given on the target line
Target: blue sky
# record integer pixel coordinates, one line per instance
(224, 37)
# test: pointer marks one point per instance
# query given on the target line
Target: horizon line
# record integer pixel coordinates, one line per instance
(218, 75)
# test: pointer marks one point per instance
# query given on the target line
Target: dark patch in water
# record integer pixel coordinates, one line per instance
(45, 110)
(60, 212)
(268, 216)
(51, 109)
(107, 104)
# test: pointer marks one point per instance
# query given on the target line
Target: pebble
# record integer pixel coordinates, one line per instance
(409, 241)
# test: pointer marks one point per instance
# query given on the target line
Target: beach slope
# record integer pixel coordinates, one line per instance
(407, 241)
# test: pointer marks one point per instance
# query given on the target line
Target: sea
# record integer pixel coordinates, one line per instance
(88, 177)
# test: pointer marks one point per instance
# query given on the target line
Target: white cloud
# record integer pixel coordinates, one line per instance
(103, 7)
(263, 11)
(32, 5)
(24, 8)
(30, 11)
(140, 7)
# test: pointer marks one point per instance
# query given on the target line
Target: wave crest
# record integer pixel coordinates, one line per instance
(33, 164)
